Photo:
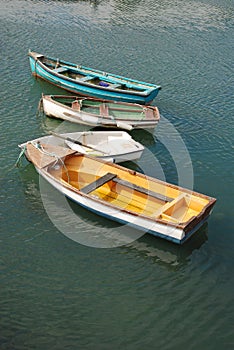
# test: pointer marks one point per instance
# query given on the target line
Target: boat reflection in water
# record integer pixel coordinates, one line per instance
(162, 252)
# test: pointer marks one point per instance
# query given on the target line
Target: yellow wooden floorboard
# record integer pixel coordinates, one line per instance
(135, 205)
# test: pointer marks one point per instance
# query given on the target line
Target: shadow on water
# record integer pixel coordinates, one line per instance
(30, 182)
(166, 253)
(146, 246)
(40, 86)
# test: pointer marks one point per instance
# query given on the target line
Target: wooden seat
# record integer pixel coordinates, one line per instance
(115, 86)
(153, 194)
(60, 70)
(104, 110)
(76, 105)
(86, 78)
(149, 114)
(98, 183)
(109, 176)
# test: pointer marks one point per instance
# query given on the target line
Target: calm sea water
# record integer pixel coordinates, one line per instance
(151, 294)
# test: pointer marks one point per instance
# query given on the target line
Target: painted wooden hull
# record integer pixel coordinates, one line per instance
(112, 146)
(91, 82)
(153, 206)
(97, 112)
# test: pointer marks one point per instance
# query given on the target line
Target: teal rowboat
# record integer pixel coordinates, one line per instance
(91, 82)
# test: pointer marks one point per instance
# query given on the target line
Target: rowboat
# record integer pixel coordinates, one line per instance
(120, 194)
(98, 112)
(113, 146)
(91, 82)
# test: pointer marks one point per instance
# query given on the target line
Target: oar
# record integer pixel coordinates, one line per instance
(123, 125)
(118, 124)
(76, 142)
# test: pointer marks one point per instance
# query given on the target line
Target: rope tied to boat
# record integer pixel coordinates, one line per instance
(18, 162)
(58, 159)
(38, 146)
(40, 109)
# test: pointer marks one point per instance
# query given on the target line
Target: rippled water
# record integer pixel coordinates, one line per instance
(151, 294)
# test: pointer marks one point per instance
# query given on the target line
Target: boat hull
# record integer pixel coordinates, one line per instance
(112, 146)
(175, 234)
(71, 85)
(53, 108)
(120, 194)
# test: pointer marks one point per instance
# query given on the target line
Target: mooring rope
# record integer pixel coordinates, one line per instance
(41, 149)
(18, 162)
(40, 109)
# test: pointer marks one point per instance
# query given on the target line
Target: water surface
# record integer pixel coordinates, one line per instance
(58, 294)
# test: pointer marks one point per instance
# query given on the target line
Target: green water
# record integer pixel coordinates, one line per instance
(151, 294)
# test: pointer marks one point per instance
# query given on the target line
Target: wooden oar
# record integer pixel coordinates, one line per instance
(124, 126)
(76, 142)
(116, 123)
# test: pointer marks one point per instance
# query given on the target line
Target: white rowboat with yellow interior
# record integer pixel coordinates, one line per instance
(123, 195)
